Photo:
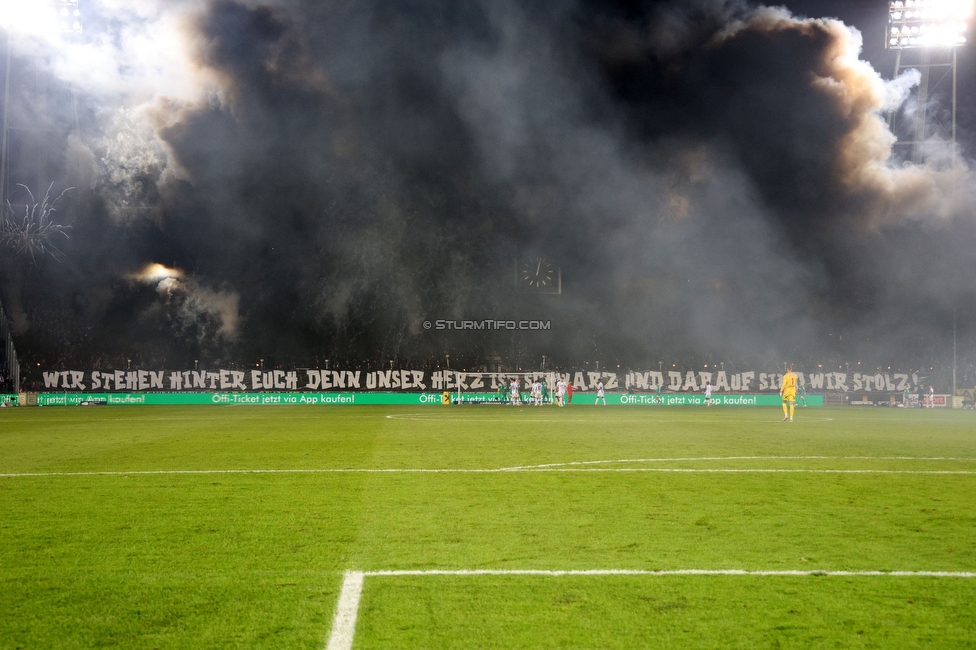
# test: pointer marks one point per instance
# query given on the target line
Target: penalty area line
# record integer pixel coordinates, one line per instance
(344, 622)
(347, 609)
(669, 572)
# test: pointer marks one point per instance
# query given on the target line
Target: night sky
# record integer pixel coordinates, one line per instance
(712, 181)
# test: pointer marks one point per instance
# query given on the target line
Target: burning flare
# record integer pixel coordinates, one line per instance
(156, 273)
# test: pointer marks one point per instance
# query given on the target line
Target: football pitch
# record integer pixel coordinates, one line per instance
(486, 527)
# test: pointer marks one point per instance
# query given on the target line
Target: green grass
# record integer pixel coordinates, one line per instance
(254, 560)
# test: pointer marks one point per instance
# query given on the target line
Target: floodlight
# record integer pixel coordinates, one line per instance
(69, 16)
(928, 23)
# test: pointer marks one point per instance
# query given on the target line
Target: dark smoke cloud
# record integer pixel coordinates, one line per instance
(712, 178)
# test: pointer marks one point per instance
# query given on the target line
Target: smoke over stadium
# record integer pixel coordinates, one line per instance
(316, 180)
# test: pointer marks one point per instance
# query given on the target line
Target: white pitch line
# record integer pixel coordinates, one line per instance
(756, 470)
(714, 458)
(402, 418)
(347, 609)
(669, 572)
(344, 623)
(529, 470)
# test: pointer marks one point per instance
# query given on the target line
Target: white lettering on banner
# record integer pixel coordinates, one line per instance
(674, 380)
(747, 378)
(233, 381)
(593, 377)
(771, 381)
(721, 382)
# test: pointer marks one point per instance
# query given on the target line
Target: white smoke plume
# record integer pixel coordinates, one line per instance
(706, 175)
(195, 303)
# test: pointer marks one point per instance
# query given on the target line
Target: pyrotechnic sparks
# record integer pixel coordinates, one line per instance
(36, 232)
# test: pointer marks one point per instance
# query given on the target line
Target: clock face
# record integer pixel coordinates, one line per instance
(538, 273)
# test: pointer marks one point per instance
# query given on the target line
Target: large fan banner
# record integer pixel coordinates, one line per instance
(449, 380)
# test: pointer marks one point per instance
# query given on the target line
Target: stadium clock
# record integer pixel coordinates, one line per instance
(538, 273)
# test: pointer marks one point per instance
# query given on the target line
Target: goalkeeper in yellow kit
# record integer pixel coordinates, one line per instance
(788, 392)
